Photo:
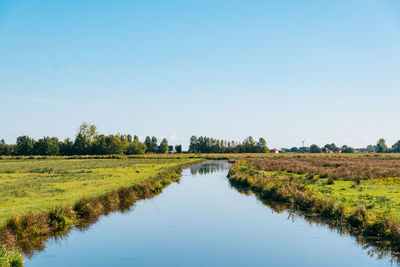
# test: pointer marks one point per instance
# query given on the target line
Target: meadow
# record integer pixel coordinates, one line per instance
(43, 196)
(38, 185)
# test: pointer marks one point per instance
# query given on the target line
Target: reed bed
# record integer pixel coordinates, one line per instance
(350, 168)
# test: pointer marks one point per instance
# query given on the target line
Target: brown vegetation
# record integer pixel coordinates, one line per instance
(350, 168)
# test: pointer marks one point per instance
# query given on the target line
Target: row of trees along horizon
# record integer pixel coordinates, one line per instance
(380, 147)
(89, 142)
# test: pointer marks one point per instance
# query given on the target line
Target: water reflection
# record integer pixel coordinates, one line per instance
(374, 247)
(210, 167)
(203, 222)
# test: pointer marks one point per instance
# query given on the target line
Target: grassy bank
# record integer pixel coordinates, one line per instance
(43, 198)
(367, 208)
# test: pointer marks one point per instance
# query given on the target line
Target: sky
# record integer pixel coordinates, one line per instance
(319, 71)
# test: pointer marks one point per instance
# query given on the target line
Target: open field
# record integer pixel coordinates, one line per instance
(38, 185)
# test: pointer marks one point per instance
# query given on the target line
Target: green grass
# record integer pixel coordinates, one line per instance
(39, 185)
(379, 196)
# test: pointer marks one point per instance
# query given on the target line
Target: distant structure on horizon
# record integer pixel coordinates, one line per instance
(274, 151)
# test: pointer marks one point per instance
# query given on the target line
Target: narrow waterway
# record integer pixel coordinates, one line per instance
(203, 221)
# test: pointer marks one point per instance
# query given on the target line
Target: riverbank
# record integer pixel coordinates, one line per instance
(52, 196)
(336, 201)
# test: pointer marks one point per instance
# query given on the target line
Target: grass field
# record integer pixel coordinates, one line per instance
(38, 185)
(354, 181)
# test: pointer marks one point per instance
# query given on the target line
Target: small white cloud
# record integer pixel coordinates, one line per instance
(71, 69)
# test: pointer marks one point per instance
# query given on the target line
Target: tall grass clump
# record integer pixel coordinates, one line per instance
(10, 258)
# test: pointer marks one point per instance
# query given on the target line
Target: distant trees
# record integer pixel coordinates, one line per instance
(205, 144)
(46, 146)
(178, 149)
(381, 146)
(315, 149)
(396, 147)
(332, 147)
(163, 148)
(24, 146)
(347, 149)
(87, 142)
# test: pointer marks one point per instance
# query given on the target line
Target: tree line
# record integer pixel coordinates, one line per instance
(380, 147)
(205, 144)
(87, 142)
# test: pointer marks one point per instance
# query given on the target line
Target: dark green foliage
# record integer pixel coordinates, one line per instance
(205, 144)
(396, 147)
(315, 149)
(163, 146)
(381, 146)
(347, 149)
(24, 146)
(87, 142)
(47, 146)
(136, 148)
(178, 148)
(151, 144)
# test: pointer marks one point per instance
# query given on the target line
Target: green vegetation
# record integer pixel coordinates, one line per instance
(10, 258)
(87, 142)
(38, 185)
(47, 197)
(205, 144)
(360, 195)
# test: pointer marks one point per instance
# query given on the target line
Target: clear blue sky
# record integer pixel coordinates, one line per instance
(320, 71)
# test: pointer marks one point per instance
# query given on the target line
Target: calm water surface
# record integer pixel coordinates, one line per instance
(202, 221)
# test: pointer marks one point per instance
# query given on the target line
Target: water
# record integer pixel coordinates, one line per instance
(202, 221)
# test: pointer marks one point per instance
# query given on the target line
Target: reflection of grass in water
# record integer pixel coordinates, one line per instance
(353, 209)
(375, 248)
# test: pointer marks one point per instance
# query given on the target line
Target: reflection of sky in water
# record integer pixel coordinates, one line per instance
(204, 222)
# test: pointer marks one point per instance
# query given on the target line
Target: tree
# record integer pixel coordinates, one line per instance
(66, 147)
(136, 148)
(5, 150)
(147, 142)
(315, 149)
(332, 147)
(396, 147)
(381, 146)
(154, 146)
(88, 131)
(84, 138)
(163, 146)
(347, 149)
(262, 146)
(371, 149)
(193, 145)
(47, 146)
(24, 146)
(178, 149)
